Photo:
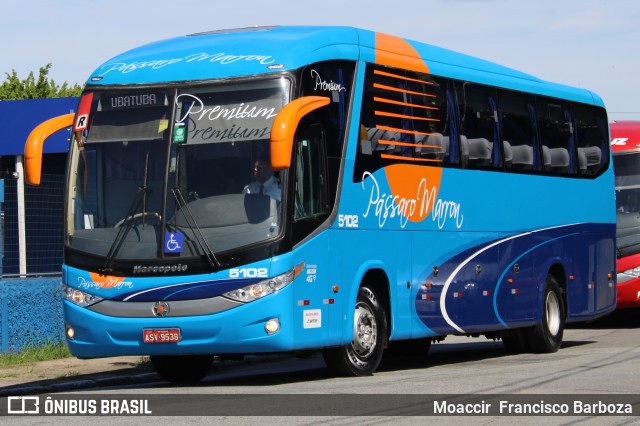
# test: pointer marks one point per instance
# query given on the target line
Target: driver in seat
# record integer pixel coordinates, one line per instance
(264, 181)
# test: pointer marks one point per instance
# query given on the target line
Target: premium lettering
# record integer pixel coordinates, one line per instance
(199, 112)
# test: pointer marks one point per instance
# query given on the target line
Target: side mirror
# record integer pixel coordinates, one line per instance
(35, 141)
(285, 125)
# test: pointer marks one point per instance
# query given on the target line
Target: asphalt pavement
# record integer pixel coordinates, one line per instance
(69, 374)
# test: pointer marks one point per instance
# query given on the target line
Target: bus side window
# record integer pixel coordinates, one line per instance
(556, 136)
(517, 125)
(591, 139)
(405, 118)
(310, 174)
(479, 126)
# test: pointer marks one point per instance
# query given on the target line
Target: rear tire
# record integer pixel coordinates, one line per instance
(363, 355)
(182, 368)
(546, 336)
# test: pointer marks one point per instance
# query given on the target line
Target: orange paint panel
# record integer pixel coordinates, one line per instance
(401, 77)
(411, 117)
(410, 183)
(411, 159)
(395, 89)
(411, 132)
(391, 101)
(386, 142)
(396, 52)
(105, 281)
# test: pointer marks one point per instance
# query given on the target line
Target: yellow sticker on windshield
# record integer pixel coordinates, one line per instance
(164, 125)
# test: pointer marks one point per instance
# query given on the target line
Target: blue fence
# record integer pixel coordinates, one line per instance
(31, 303)
(31, 313)
(31, 299)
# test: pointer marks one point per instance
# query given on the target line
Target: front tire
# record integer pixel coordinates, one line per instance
(546, 336)
(182, 368)
(363, 355)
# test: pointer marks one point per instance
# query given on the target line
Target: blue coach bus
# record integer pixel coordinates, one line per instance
(278, 189)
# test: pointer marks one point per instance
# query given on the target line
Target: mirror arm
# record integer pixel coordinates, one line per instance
(285, 125)
(35, 142)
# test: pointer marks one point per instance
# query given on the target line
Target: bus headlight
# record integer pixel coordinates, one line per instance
(79, 297)
(635, 272)
(265, 287)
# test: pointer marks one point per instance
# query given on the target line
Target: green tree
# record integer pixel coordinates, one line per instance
(31, 88)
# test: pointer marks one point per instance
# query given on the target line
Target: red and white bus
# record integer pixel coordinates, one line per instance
(625, 142)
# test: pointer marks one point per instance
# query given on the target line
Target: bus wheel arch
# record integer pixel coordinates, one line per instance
(377, 280)
(362, 356)
(546, 335)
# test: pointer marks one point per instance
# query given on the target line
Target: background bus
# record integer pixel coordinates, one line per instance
(414, 193)
(625, 143)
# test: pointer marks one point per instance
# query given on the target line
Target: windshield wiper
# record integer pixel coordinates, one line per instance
(127, 223)
(197, 232)
(125, 227)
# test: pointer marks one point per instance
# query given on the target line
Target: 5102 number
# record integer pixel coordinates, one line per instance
(348, 221)
(248, 273)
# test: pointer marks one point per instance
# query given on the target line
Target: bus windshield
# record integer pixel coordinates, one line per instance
(627, 175)
(174, 173)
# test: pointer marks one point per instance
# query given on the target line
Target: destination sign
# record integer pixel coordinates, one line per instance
(119, 101)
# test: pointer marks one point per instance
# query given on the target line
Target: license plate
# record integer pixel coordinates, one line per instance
(165, 335)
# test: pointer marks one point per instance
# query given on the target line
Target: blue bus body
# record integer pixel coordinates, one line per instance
(447, 249)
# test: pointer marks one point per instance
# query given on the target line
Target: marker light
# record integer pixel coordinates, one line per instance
(78, 297)
(265, 287)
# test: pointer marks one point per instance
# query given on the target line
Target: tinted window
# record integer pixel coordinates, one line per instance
(556, 135)
(404, 118)
(478, 134)
(518, 125)
(333, 79)
(592, 141)
(422, 119)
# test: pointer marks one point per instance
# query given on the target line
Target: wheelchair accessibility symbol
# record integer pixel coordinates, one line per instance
(173, 242)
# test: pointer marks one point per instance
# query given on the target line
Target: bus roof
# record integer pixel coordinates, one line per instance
(625, 136)
(261, 50)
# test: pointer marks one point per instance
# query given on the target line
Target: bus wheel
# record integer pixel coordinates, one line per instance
(182, 368)
(546, 336)
(363, 355)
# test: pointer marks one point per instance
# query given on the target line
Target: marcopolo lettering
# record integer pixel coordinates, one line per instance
(159, 269)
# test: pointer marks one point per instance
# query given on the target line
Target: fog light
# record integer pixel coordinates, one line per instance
(70, 332)
(272, 326)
